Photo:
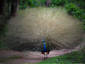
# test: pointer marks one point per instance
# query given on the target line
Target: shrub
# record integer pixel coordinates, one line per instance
(42, 2)
(2, 45)
(83, 15)
(33, 3)
(74, 10)
(70, 7)
(23, 4)
(57, 2)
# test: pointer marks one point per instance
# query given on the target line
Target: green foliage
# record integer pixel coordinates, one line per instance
(42, 2)
(83, 25)
(2, 45)
(23, 4)
(79, 3)
(76, 57)
(57, 2)
(33, 3)
(2, 34)
(74, 10)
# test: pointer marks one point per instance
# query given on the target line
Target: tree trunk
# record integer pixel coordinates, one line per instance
(1, 6)
(48, 2)
(14, 5)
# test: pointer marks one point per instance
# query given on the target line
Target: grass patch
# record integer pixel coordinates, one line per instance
(70, 58)
(29, 63)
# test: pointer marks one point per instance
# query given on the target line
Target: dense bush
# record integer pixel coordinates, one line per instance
(57, 2)
(42, 2)
(2, 45)
(31, 3)
(35, 3)
(23, 4)
(79, 3)
(74, 10)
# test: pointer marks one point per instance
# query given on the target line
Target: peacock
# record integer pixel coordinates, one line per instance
(45, 50)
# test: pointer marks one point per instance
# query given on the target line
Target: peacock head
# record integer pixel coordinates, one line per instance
(43, 41)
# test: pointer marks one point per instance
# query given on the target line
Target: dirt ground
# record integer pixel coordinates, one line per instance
(27, 57)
